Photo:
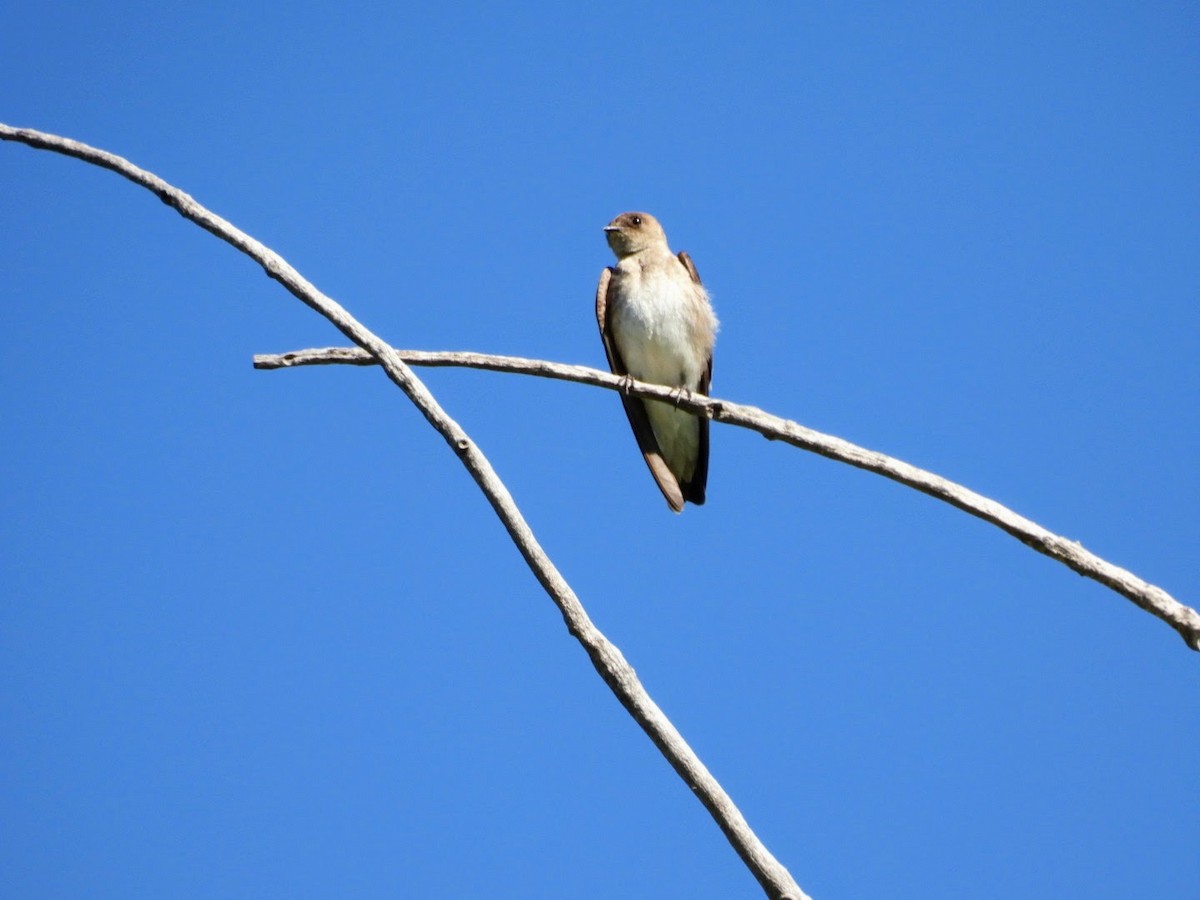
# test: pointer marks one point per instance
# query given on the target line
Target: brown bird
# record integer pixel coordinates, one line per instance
(658, 326)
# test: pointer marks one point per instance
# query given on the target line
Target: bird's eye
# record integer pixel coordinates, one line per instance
(637, 220)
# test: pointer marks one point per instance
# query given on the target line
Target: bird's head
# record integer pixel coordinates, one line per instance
(633, 232)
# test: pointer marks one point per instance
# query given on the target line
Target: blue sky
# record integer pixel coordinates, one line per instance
(261, 636)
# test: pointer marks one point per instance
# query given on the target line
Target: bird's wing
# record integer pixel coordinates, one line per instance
(635, 409)
(693, 489)
(689, 265)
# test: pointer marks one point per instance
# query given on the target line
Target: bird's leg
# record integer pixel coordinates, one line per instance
(626, 383)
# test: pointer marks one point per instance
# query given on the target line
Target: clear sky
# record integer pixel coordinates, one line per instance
(260, 634)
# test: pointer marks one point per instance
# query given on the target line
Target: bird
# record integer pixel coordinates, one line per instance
(658, 326)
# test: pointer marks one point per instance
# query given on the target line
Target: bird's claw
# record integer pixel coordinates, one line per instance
(681, 393)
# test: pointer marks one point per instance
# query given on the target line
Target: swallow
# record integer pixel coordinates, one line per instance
(658, 326)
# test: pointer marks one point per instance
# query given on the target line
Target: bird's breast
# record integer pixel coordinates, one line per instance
(657, 327)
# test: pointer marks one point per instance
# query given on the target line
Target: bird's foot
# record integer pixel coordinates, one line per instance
(683, 392)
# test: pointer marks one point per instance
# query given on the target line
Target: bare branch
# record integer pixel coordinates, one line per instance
(775, 880)
(1154, 600)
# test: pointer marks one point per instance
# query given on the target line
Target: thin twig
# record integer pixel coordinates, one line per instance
(616, 672)
(1154, 600)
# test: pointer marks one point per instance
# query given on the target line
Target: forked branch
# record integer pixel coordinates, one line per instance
(616, 672)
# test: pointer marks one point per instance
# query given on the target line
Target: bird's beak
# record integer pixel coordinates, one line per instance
(611, 228)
